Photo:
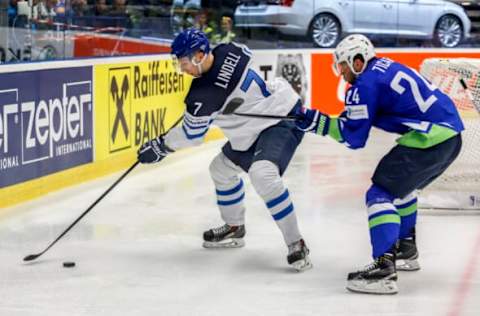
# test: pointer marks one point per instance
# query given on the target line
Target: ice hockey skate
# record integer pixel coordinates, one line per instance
(380, 277)
(225, 236)
(407, 255)
(298, 256)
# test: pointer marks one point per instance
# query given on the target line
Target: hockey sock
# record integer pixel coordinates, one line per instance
(229, 190)
(383, 220)
(230, 202)
(266, 179)
(407, 209)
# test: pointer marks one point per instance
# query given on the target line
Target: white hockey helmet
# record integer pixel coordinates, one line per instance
(350, 47)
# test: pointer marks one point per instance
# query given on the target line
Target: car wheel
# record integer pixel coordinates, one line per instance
(448, 31)
(325, 30)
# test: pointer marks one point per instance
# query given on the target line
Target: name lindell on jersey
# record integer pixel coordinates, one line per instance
(226, 70)
(231, 76)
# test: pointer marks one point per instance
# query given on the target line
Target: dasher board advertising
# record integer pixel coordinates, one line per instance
(46, 120)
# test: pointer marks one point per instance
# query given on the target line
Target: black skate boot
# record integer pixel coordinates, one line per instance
(407, 254)
(298, 256)
(225, 236)
(380, 277)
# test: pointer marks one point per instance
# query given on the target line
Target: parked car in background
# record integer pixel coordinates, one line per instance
(325, 22)
(472, 8)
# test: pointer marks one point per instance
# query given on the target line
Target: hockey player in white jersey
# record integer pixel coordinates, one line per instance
(262, 148)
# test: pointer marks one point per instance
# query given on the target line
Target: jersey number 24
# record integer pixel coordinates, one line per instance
(396, 85)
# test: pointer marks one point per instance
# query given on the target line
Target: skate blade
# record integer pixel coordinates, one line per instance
(380, 287)
(227, 243)
(302, 265)
(407, 265)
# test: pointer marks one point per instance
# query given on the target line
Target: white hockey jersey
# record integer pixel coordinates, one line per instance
(231, 77)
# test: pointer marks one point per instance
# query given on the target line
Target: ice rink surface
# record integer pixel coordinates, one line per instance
(139, 251)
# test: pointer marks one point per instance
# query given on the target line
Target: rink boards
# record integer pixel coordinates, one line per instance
(66, 122)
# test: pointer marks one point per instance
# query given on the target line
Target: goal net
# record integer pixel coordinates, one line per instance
(459, 186)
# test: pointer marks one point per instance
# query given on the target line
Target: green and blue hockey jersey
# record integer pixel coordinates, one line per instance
(397, 99)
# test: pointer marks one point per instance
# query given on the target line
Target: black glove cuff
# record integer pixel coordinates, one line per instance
(161, 140)
(168, 149)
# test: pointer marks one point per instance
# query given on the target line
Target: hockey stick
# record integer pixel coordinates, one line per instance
(268, 116)
(236, 102)
(35, 256)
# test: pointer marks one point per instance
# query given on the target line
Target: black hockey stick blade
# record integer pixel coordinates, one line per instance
(232, 105)
(31, 257)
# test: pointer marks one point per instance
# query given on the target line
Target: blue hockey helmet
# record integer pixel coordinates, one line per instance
(190, 41)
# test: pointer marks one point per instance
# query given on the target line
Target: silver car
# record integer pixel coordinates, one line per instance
(324, 21)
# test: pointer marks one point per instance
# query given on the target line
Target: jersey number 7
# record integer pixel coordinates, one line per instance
(253, 76)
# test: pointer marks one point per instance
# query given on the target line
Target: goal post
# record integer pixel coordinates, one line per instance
(459, 186)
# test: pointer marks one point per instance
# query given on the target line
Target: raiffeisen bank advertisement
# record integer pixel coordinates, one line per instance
(139, 101)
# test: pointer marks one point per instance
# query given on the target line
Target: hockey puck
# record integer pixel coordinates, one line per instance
(68, 264)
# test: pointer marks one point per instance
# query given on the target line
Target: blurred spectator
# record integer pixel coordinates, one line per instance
(120, 14)
(119, 8)
(226, 34)
(60, 8)
(46, 9)
(221, 7)
(100, 8)
(12, 12)
(202, 23)
(77, 14)
(79, 8)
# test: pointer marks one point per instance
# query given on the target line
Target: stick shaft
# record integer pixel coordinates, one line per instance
(35, 256)
(268, 116)
(88, 209)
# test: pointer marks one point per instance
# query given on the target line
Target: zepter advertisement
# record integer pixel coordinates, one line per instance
(46, 120)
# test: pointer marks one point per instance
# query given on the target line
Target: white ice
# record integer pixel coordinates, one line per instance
(139, 251)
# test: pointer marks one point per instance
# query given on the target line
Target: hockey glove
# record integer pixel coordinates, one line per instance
(153, 151)
(309, 120)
